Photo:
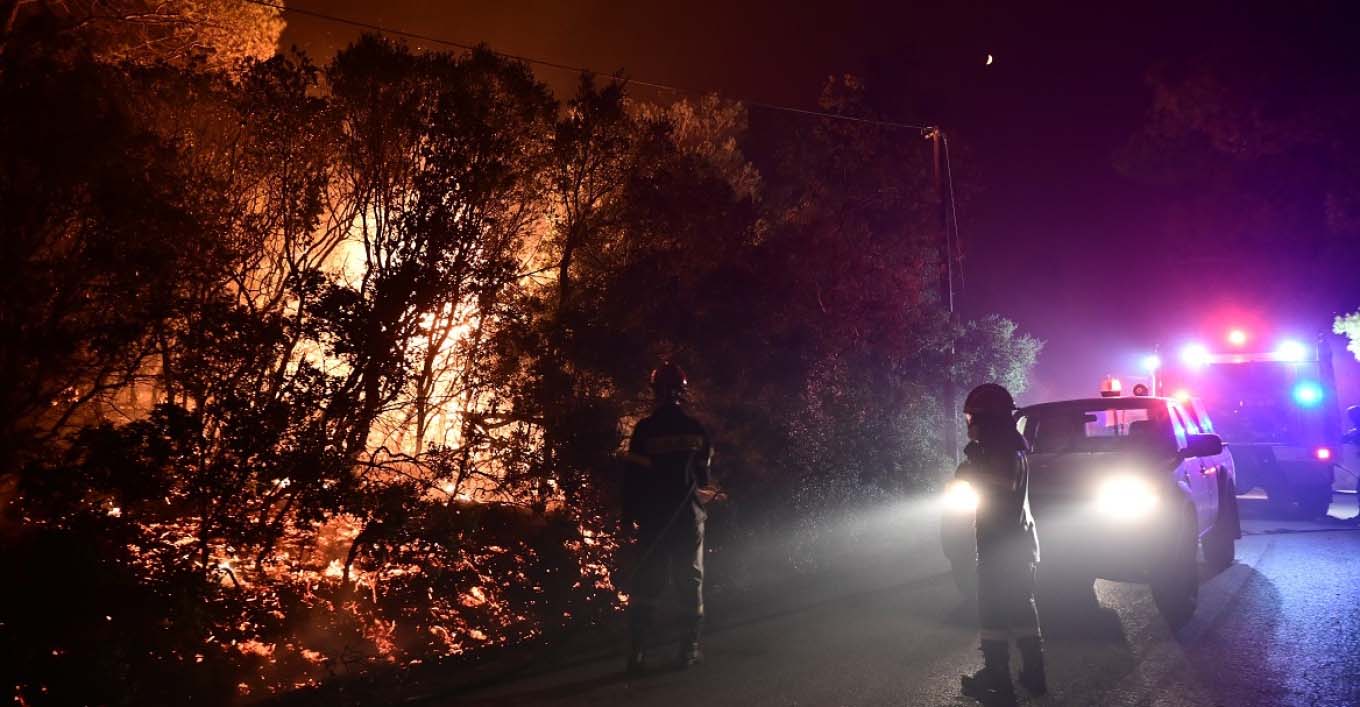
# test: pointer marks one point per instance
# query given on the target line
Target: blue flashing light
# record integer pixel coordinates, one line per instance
(1152, 362)
(1308, 394)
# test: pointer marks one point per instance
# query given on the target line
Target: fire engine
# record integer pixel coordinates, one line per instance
(1274, 406)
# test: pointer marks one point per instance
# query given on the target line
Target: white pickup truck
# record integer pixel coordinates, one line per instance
(1127, 489)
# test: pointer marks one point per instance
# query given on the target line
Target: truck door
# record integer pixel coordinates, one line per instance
(1201, 473)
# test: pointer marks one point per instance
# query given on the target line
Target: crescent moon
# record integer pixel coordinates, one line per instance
(989, 60)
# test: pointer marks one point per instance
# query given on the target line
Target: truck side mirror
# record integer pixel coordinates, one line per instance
(1202, 445)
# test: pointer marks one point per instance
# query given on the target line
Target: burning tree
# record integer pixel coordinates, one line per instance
(219, 32)
(342, 241)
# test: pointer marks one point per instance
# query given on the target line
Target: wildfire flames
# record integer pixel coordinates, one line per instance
(471, 597)
(312, 608)
(336, 425)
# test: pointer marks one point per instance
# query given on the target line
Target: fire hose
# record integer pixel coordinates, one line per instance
(690, 493)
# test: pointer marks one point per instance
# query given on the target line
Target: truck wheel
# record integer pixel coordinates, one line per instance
(1175, 586)
(1220, 545)
(965, 578)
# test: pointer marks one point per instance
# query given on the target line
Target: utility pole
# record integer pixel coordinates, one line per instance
(950, 402)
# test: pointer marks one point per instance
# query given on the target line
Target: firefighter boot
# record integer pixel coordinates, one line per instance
(690, 655)
(637, 643)
(637, 662)
(637, 657)
(1032, 665)
(992, 684)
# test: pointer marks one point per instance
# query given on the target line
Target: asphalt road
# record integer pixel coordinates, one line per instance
(1280, 627)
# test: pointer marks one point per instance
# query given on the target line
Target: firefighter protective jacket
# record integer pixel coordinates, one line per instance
(668, 457)
(997, 468)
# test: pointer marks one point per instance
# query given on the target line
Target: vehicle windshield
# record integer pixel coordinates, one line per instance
(1098, 426)
(1253, 403)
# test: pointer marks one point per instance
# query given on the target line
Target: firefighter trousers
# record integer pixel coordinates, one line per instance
(675, 556)
(1006, 599)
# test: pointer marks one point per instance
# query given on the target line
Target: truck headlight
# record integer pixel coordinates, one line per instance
(960, 497)
(1126, 498)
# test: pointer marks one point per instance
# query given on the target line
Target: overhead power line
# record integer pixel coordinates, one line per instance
(578, 69)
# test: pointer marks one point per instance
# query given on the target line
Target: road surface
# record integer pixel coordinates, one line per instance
(1280, 627)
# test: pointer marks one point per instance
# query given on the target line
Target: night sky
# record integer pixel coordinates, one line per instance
(1051, 229)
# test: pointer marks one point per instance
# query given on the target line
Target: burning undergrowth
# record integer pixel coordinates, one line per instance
(452, 578)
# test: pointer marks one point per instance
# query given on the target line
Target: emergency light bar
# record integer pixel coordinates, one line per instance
(1289, 356)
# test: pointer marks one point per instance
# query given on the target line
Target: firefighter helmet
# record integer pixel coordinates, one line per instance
(668, 380)
(989, 399)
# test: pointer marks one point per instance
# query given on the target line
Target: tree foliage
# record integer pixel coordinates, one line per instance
(1348, 325)
(1252, 142)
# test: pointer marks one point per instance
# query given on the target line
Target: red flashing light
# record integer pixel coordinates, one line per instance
(1323, 454)
(1237, 337)
(1111, 387)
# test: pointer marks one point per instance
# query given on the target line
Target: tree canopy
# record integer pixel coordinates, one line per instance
(1251, 140)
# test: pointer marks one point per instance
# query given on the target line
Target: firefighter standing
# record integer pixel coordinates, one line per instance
(664, 491)
(1007, 547)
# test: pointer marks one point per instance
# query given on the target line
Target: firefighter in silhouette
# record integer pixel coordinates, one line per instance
(666, 487)
(1007, 547)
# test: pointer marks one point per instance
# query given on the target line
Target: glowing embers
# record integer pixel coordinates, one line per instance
(960, 497)
(474, 597)
(1308, 394)
(1126, 497)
